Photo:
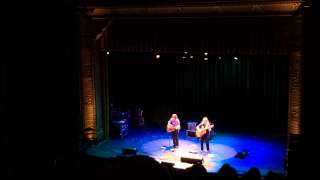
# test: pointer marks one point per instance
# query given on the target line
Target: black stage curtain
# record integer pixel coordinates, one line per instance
(265, 35)
(236, 92)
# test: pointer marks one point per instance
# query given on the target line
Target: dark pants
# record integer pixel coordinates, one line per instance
(175, 139)
(206, 138)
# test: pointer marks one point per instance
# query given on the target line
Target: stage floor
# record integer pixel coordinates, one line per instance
(265, 153)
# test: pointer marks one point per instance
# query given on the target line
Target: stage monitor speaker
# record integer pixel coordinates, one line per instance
(167, 164)
(129, 151)
(192, 160)
(242, 155)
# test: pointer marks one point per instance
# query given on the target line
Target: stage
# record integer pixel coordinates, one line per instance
(265, 153)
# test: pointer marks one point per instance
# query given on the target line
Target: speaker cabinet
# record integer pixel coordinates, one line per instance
(192, 160)
(167, 164)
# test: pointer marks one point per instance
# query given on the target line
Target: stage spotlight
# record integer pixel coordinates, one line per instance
(191, 57)
(206, 59)
(219, 57)
(206, 54)
(158, 56)
(235, 59)
(185, 52)
(107, 53)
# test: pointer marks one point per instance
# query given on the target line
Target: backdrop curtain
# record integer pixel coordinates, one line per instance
(220, 35)
(247, 92)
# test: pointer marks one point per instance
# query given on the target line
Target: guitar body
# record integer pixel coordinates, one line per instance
(170, 128)
(200, 131)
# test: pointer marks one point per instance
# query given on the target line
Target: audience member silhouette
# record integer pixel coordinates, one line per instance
(252, 174)
(144, 167)
(226, 172)
(197, 171)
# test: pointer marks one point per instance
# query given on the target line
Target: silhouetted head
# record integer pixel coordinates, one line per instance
(197, 171)
(227, 172)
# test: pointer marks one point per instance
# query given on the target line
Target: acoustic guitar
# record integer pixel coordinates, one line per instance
(200, 131)
(171, 128)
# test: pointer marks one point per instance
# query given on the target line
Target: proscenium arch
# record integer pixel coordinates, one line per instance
(96, 21)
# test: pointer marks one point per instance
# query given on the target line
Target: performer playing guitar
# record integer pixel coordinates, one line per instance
(203, 131)
(173, 127)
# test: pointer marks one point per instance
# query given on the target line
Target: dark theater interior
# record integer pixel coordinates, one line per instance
(160, 89)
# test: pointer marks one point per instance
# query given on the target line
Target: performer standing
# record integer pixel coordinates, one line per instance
(173, 127)
(203, 131)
